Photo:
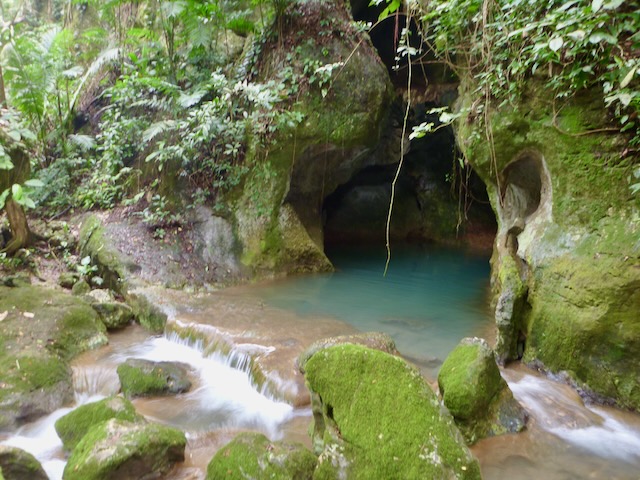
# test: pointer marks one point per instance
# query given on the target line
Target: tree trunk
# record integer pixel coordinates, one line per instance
(21, 235)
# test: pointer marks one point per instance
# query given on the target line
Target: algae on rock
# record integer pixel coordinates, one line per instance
(75, 424)
(376, 417)
(126, 451)
(567, 245)
(141, 378)
(475, 393)
(17, 464)
(42, 331)
(252, 455)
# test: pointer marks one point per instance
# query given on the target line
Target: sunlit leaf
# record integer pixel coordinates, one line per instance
(556, 43)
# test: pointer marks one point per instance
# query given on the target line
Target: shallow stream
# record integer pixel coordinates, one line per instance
(430, 299)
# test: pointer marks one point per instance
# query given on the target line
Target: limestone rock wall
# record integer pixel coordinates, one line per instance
(566, 261)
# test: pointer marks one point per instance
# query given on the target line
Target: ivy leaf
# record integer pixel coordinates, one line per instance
(577, 35)
(596, 5)
(556, 43)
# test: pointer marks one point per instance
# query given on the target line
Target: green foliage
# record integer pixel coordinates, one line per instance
(577, 44)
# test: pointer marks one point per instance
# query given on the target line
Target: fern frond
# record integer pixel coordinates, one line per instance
(158, 128)
(84, 142)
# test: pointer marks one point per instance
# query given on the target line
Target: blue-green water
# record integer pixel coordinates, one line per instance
(430, 298)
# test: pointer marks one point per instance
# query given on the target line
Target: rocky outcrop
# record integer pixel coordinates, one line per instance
(252, 455)
(142, 378)
(278, 213)
(125, 450)
(41, 330)
(16, 464)
(475, 393)
(566, 262)
(375, 417)
(75, 424)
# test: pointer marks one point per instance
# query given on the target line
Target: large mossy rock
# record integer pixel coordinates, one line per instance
(122, 450)
(376, 417)
(252, 455)
(376, 340)
(75, 424)
(278, 212)
(16, 464)
(475, 393)
(42, 329)
(566, 263)
(143, 378)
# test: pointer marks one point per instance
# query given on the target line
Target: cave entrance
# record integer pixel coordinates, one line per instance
(436, 199)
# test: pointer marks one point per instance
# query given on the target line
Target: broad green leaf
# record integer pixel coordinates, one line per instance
(34, 182)
(577, 35)
(3, 198)
(556, 43)
(17, 192)
(628, 77)
(613, 4)
(599, 36)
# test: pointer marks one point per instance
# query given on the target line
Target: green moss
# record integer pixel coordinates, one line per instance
(136, 383)
(18, 464)
(475, 393)
(469, 382)
(588, 323)
(123, 450)
(252, 455)
(74, 425)
(147, 314)
(375, 415)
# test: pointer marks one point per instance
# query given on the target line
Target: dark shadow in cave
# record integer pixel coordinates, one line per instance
(427, 207)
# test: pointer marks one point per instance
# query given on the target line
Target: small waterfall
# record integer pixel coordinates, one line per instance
(560, 411)
(229, 390)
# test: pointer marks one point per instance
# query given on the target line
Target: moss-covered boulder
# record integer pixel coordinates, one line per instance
(126, 451)
(475, 393)
(74, 425)
(278, 210)
(376, 417)
(376, 340)
(42, 329)
(16, 464)
(114, 315)
(141, 378)
(252, 455)
(566, 263)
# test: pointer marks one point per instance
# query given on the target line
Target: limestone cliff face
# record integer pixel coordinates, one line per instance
(566, 261)
(278, 211)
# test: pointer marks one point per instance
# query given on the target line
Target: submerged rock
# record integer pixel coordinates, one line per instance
(41, 330)
(252, 455)
(16, 464)
(122, 450)
(375, 417)
(74, 425)
(140, 378)
(476, 394)
(376, 340)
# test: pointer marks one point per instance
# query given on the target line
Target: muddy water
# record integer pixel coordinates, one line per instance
(429, 300)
